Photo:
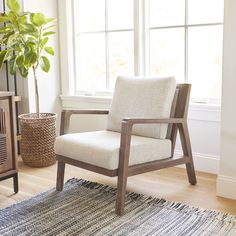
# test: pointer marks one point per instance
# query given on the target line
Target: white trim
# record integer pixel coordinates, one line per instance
(66, 47)
(80, 99)
(226, 187)
(146, 37)
(203, 162)
(202, 112)
(137, 35)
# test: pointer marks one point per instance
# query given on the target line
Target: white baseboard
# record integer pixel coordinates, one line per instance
(203, 162)
(226, 187)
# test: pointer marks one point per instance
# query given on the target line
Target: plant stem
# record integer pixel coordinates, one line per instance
(38, 49)
(36, 92)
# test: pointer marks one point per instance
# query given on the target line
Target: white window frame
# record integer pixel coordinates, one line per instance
(186, 27)
(106, 31)
(141, 33)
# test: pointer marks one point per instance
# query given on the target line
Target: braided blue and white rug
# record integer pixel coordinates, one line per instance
(87, 208)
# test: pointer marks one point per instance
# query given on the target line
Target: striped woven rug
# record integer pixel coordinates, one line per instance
(87, 208)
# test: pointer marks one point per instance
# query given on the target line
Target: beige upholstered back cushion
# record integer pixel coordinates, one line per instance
(143, 98)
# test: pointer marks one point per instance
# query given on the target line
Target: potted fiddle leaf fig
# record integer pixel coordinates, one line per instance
(24, 40)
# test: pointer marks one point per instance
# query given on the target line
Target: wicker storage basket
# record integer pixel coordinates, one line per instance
(38, 135)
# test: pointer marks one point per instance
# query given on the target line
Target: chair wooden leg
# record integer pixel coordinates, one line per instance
(121, 190)
(187, 150)
(15, 183)
(123, 167)
(191, 173)
(60, 175)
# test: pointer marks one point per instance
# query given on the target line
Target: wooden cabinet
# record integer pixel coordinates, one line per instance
(8, 162)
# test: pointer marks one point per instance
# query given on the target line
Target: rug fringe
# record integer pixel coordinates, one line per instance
(181, 207)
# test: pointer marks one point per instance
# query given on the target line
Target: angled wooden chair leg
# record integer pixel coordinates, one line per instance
(191, 173)
(123, 167)
(15, 183)
(187, 150)
(121, 190)
(60, 175)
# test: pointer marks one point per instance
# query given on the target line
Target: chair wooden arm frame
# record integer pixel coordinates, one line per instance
(124, 170)
(66, 114)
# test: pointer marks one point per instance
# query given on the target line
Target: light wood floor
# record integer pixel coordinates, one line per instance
(170, 184)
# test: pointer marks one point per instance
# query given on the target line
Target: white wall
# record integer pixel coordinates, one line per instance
(49, 83)
(226, 183)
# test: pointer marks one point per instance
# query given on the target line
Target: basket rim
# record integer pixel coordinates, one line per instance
(26, 116)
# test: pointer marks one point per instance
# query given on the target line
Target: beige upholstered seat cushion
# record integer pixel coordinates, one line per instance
(143, 98)
(101, 148)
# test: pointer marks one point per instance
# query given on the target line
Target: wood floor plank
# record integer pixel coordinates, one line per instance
(171, 184)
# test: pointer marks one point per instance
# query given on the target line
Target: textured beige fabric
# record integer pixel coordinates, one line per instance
(101, 148)
(144, 98)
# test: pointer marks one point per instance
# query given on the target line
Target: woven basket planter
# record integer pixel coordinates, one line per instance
(38, 135)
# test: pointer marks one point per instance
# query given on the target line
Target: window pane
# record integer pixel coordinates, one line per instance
(89, 15)
(205, 11)
(121, 55)
(205, 61)
(91, 66)
(120, 14)
(167, 12)
(167, 53)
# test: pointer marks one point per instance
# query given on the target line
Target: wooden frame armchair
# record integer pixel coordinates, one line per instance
(177, 122)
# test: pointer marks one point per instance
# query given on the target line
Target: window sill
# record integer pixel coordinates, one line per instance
(197, 111)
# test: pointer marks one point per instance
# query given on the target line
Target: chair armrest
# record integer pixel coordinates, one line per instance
(66, 114)
(126, 134)
(127, 125)
(133, 121)
(85, 111)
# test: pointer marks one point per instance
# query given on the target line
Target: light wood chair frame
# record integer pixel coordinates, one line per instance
(177, 123)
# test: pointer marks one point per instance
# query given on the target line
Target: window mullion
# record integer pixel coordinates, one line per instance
(76, 46)
(146, 37)
(136, 38)
(138, 55)
(186, 43)
(107, 46)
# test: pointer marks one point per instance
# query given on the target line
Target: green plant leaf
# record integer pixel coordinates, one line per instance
(34, 34)
(32, 18)
(43, 42)
(30, 59)
(37, 19)
(13, 5)
(22, 19)
(23, 71)
(23, 13)
(3, 18)
(44, 64)
(49, 33)
(13, 38)
(4, 30)
(6, 37)
(30, 27)
(3, 55)
(12, 65)
(31, 45)
(20, 60)
(49, 27)
(48, 20)
(49, 50)
(13, 19)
